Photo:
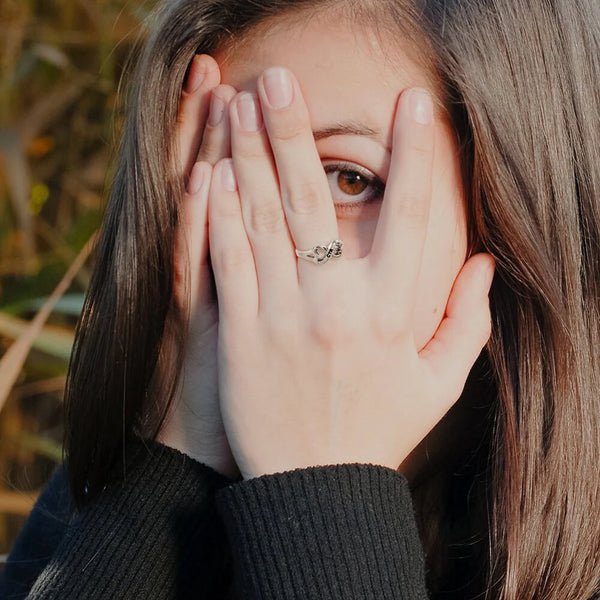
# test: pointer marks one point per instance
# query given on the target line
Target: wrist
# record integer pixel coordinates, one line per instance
(210, 449)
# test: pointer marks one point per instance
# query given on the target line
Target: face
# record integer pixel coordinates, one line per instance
(347, 78)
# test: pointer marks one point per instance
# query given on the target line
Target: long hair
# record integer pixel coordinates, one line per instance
(525, 74)
(517, 515)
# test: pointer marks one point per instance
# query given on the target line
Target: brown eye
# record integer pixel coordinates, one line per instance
(352, 183)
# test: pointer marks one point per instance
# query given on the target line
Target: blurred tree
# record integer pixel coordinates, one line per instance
(60, 66)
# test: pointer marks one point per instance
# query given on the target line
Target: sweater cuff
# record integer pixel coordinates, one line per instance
(335, 532)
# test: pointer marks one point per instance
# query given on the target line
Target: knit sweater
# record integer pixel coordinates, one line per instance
(173, 528)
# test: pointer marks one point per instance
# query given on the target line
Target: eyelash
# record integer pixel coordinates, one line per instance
(372, 181)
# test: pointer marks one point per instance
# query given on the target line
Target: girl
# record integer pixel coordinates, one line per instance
(329, 428)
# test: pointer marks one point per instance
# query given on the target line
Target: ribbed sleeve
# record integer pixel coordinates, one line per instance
(329, 532)
(154, 536)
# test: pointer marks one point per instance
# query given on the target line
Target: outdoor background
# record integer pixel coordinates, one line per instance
(60, 65)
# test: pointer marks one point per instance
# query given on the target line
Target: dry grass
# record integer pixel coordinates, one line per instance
(60, 64)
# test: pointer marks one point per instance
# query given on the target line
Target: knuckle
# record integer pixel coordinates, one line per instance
(210, 149)
(422, 148)
(413, 210)
(205, 153)
(329, 326)
(226, 210)
(325, 332)
(208, 136)
(231, 258)
(251, 152)
(283, 330)
(302, 198)
(287, 128)
(266, 218)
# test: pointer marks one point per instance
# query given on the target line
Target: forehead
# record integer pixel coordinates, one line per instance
(347, 72)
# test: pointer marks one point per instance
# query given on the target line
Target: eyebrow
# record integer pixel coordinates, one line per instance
(350, 128)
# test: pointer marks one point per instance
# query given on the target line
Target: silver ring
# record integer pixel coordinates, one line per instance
(321, 254)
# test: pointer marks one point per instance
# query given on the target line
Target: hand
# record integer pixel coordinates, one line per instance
(194, 425)
(317, 363)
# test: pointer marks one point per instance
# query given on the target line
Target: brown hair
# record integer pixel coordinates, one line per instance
(516, 516)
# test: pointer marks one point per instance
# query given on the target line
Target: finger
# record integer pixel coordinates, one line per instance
(263, 212)
(204, 74)
(230, 250)
(216, 139)
(304, 188)
(191, 242)
(466, 327)
(402, 226)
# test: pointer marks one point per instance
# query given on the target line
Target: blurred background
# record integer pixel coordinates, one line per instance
(60, 116)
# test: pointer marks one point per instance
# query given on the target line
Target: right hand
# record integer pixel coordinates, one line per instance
(194, 425)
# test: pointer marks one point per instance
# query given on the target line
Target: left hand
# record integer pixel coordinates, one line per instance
(317, 364)
(194, 425)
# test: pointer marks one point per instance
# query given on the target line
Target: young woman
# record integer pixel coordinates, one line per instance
(331, 428)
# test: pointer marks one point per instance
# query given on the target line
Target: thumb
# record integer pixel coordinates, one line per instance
(466, 326)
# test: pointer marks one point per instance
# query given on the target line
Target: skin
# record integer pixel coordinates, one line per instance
(326, 71)
(346, 75)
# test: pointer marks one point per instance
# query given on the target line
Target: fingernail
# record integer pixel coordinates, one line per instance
(228, 179)
(196, 75)
(217, 110)
(249, 112)
(196, 179)
(421, 106)
(278, 87)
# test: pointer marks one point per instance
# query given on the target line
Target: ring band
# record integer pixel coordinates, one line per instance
(321, 254)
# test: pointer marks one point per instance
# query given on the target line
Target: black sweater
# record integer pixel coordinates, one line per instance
(176, 529)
